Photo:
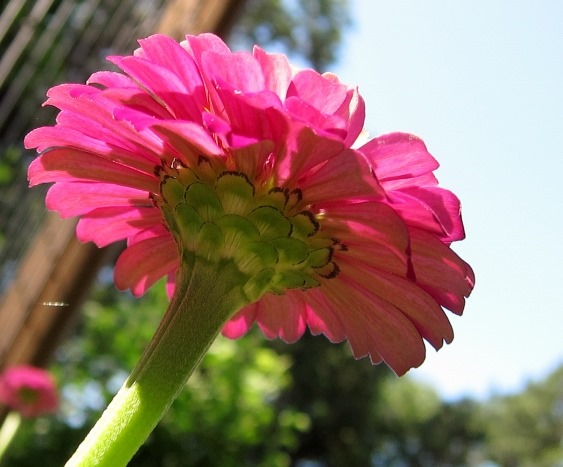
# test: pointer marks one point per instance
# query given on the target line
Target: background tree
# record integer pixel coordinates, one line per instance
(310, 30)
(526, 429)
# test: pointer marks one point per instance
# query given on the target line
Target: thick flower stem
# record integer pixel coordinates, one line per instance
(207, 295)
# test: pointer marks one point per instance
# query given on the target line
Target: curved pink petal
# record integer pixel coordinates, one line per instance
(433, 209)
(317, 90)
(276, 71)
(410, 300)
(168, 53)
(346, 176)
(238, 71)
(110, 224)
(374, 328)
(188, 139)
(111, 79)
(61, 165)
(252, 115)
(440, 271)
(164, 85)
(241, 323)
(144, 263)
(292, 167)
(398, 156)
(76, 198)
(197, 45)
(283, 316)
(322, 318)
(370, 231)
(62, 137)
(326, 124)
(354, 109)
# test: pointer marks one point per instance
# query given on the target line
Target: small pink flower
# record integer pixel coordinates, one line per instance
(191, 137)
(28, 390)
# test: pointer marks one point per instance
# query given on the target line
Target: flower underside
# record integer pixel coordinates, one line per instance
(266, 231)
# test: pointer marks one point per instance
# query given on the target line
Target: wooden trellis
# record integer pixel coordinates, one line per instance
(52, 277)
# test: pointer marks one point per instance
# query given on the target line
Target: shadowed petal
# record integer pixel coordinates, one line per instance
(282, 316)
(145, 262)
(440, 271)
(374, 328)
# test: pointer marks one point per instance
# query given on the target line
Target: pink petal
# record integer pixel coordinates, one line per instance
(236, 71)
(356, 114)
(84, 108)
(282, 316)
(188, 139)
(251, 115)
(111, 79)
(76, 198)
(166, 52)
(110, 224)
(322, 93)
(294, 166)
(241, 323)
(433, 209)
(163, 84)
(398, 155)
(197, 45)
(321, 316)
(276, 71)
(440, 271)
(374, 327)
(75, 138)
(326, 124)
(144, 263)
(61, 165)
(418, 306)
(371, 232)
(346, 176)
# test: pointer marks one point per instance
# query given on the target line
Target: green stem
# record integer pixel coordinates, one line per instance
(209, 296)
(8, 431)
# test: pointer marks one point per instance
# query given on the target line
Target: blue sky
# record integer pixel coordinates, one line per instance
(481, 83)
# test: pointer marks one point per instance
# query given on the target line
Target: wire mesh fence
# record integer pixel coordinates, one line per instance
(42, 43)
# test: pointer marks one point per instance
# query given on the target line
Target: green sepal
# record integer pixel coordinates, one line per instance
(255, 256)
(235, 191)
(210, 242)
(172, 191)
(237, 232)
(204, 200)
(291, 250)
(270, 222)
(319, 258)
(258, 285)
(189, 223)
(304, 225)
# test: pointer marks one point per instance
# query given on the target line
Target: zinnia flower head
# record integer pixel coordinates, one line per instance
(29, 390)
(193, 152)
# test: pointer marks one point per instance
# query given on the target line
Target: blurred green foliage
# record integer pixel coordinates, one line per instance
(255, 402)
(309, 30)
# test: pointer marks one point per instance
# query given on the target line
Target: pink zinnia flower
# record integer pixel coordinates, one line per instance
(198, 151)
(29, 390)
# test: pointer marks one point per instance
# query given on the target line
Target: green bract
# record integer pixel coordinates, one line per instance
(271, 237)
